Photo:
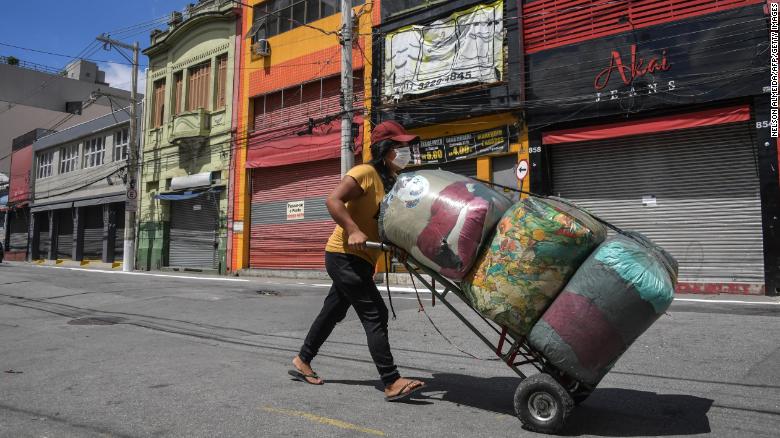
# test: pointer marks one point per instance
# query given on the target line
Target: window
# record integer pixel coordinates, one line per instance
(278, 16)
(44, 164)
(159, 103)
(222, 63)
(178, 83)
(69, 158)
(121, 140)
(74, 107)
(198, 87)
(94, 152)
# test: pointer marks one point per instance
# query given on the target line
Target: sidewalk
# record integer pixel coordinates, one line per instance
(399, 283)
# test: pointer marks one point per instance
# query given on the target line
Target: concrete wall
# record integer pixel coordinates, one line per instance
(31, 99)
(43, 90)
(196, 42)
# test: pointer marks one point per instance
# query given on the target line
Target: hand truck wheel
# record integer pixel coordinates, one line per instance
(542, 404)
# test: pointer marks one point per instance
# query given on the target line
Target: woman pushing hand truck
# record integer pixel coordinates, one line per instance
(354, 206)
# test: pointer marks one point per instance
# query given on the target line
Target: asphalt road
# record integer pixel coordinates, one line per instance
(85, 353)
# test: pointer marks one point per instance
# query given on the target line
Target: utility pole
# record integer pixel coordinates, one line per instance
(131, 203)
(347, 155)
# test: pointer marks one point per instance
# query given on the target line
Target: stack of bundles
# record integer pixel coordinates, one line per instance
(538, 246)
(440, 218)
(620, 290)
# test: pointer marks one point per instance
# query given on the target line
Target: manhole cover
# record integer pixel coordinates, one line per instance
(268, 293)
(98, 320)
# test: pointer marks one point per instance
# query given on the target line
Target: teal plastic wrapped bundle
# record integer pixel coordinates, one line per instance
(614, 297)
(537, 247)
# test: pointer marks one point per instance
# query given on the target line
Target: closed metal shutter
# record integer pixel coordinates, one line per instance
(695, 192)
(64, 233)
(279, 242)
(194, 225)
(19, 227)
(93, 232)
(44, 242)
(119, 218)
(504, 173)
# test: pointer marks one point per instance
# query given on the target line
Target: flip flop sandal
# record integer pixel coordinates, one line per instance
(403, 393)
(297, 375)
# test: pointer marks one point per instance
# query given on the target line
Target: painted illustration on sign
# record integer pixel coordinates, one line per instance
(459, 147)
(465, 47)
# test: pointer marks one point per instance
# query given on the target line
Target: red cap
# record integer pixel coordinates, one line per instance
(392, 130)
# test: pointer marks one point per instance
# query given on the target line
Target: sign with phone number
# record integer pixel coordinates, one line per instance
(458, 147)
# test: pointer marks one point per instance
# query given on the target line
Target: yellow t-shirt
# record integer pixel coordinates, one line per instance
(364, 211)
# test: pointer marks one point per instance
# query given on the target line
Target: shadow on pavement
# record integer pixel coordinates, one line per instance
(607, 412)
(627, 412)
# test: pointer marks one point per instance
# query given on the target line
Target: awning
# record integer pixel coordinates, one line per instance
(100, 201)
(183, 196)
(191, 181)
(54, 206)
(322, 144)
(84, 202)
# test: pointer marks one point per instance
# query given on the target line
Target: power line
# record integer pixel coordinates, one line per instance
(62, 55)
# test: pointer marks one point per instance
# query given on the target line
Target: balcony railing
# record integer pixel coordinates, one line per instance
(189, 125)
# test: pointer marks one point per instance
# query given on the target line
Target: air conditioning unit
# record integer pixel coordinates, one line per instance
(261, 48)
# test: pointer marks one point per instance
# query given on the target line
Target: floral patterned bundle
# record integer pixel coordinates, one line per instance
(537, 247)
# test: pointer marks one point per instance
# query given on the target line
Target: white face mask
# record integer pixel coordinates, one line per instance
(402, 157)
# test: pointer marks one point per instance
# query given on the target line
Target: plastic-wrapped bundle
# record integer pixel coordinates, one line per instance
(440, 218)
(537, 247)
(620, 290)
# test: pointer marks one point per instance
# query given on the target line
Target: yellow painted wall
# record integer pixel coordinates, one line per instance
(288, 47)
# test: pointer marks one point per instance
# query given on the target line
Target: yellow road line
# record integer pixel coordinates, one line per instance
(324, 420)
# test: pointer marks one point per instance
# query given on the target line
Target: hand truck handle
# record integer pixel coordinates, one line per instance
(378, 245)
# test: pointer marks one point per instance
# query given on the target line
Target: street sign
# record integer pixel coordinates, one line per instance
(131, 206)
(522, 170)
(132, 194)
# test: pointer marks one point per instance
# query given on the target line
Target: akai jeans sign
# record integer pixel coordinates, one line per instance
(713, 57)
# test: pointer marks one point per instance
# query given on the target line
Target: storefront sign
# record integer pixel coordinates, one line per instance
(295, 210)
(458, 147)
(676, 63)
(131, 206)
(466, 47)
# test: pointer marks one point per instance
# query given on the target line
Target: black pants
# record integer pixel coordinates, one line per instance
(353, 284)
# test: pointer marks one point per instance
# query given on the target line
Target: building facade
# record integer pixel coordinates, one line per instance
(34, 102)
(656, 117)
(449, 71)
(288, 159)
(79, 186)
(189, 128)
(32, 97)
